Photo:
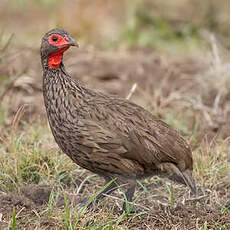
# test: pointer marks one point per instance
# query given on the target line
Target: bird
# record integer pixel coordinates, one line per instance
(107, 135)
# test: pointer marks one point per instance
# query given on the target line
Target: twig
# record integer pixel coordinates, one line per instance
(83, 182)
(132, 90)
(7, 43)
(18, 116)
(120, 199)
(10, 85)
(215, 52)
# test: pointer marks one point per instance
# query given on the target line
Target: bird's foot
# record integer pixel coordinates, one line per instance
(131, 209)
(87, 204)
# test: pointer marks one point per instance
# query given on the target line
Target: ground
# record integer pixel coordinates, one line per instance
(171, 57)
(40, 187)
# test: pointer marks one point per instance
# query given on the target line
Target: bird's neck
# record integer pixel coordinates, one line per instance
(57, 81)
(57, 76)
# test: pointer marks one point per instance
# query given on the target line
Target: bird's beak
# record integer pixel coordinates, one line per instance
(72, 42)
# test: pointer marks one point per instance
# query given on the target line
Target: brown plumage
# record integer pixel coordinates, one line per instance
(112, 137)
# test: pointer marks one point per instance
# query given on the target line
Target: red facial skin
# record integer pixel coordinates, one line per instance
(61, 42)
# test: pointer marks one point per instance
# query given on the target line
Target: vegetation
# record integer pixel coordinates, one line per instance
(185, 82)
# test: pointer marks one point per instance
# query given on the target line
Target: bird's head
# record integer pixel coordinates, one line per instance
(53, 45)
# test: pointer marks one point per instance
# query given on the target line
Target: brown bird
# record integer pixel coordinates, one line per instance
(110, 136)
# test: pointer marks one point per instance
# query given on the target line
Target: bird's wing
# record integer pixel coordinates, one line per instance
(135, 140)
(145, 138)
(105, 150)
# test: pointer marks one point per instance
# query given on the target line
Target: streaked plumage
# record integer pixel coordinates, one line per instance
(112, 137)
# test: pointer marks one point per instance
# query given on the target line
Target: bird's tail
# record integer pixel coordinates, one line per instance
(184, 177)
(189, 180)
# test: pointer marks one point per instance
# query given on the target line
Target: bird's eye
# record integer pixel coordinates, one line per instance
(54, 38)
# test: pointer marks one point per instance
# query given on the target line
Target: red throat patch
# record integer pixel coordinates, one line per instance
(55, 58)
(60, 42)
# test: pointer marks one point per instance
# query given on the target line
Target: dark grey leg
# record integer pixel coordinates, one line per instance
(109, 189)
(129, 196)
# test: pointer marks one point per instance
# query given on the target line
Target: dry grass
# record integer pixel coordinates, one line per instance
(40, 187)
(45, 186)
(30, 157)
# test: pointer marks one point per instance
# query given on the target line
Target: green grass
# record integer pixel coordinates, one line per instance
(145, 27)
(29, 156)
(26, 161)
(14, 226)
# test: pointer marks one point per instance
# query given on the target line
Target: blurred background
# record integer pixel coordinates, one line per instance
(179, 25)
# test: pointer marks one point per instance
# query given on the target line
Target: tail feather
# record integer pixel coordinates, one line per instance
(189, 180)
(184, 177)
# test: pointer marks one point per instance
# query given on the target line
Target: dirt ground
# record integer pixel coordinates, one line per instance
(162, 83)
(206, 207)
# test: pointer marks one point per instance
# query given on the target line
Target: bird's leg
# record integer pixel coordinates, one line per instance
(129, 196)
(108, 189)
